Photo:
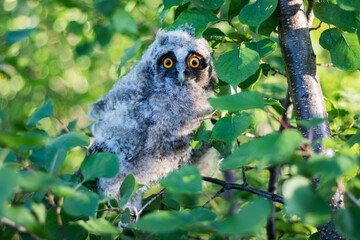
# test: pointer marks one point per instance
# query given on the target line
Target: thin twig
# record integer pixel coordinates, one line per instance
(58, 213)
(62, 124)
(316, 28)
(247, 188)
(151, 200)
(277, 72)
(344, 130)
(213, 197)
(244, 177)
(325, 64)
(233, 27)
(9, 223)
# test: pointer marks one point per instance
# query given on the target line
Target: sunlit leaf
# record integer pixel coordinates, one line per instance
(83, 203)
(256, 12)
(159, 222)
(244, 63)
(227, 129)
(186, 180)
(264, 47)
(170, 3)
(349, 5)
(347, 222)
(123, 22)
(237, 102)
(345, 53)
(202, 134)
(99, 226)
(302, 201)
(46, 110)
(198, 18)
(128, 54)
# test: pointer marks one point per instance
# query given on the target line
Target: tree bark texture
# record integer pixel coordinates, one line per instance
(303, 82)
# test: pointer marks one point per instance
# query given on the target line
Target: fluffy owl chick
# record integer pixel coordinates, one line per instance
(149, 116)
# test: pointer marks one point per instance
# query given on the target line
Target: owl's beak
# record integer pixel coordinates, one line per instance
(181, 74)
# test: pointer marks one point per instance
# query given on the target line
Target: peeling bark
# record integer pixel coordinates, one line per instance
(304, 84)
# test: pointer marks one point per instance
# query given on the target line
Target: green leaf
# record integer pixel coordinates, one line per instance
(8, 182)
(100, 165)
(301, 200)
(334, 167)
(40, 211)
(46, 110)
(99, 226)
(227, 129)
(202, 134)
(238, 102)
(127, 189)
(268, 150)
(198, 18)
(28, 140)
(255, 13)
(329, 37)
(250, 219)
(170, 3)
(40, 181)
(159, 222)
(84, 202)
(16, 36)
(328, 12)
(69, 140)
(128, 54)
(244, 63)
(8, 156)
(124, 23)
(267, 26)
(209, 4)
(349, 5)
(22, 217)
(264, 47)
(311, 123)
(186, 180)
(198, 215)
(345, 53)
(250, 81)
(347, 222)
(235, 8)
(354, 139)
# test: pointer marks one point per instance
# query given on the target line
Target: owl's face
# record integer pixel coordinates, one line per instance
(182, 60)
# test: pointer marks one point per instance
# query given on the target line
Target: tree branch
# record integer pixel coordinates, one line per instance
(58, 213)
(9, 223)
(247, 188)
(150, 201)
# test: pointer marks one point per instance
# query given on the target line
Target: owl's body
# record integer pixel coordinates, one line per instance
(149, 117)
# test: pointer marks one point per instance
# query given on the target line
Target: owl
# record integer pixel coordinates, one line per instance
(149, 116)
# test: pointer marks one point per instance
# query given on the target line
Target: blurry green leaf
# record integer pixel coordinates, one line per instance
(264, 47)
(8, 182)
(255, 13)
(250, 219)
(186, 180)
(99, 226)
(38, 182)
(103, 34)
(84, 48)
(199, 215)
(159, 222)
(235, 8)
(267, 26)
(349, 5)
(127, 189)
(22, 217)
(16, 36)
(125, 217)
(202, 134)
(244, 63)
(354, 139)
(268, 150)
(40, 211)
(345, 53)
(301, 200)
(237, 102)
(251, 80)
(334, 167)
(170, 3)
(198, 18)
(46, 110)
(100, 165)
(83, 203)
(274, 103)
(70, 140)
(347, 222)
(107, 7)
(214, 36)
(311, 123)
(7, 156)
(227, 129)
(29, 139)
(329, 37)
(124, 23)
(329, 12)
(209, 4)
(170, 203)
(75, 27)
(128, 54)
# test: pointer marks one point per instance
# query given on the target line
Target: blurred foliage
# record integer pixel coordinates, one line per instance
(56, 57)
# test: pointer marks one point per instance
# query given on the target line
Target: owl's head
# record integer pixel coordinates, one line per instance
(180, 59)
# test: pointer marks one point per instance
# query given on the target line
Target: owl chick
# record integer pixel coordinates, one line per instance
(149, 116)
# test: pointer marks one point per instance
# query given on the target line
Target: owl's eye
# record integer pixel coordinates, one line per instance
(194, 62)
(168, 62)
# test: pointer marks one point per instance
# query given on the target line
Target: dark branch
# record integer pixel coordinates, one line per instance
(7, 222)
(247, 188)
(151, 200)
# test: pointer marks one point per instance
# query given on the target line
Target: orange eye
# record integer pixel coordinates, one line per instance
(168, 63)
(194, 62)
